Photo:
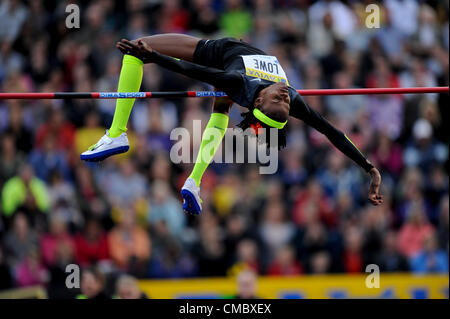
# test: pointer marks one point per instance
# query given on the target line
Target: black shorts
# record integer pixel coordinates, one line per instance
(223, 53)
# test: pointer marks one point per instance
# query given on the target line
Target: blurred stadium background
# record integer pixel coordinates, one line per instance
(306, 231)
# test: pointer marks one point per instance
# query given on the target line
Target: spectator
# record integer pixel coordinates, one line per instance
(413, 233)
(92, 244)
(412, 196)
(92, 284)
(345, 107)
(337, 178)
(403, 15)
(311, 240)
(12, 16)
(157, 119)
(436, 187)
(87, 135)
(246, 256)
(390, 259)
(320, 263)
(168, 258)
(203, 17)
(58, 234)
(353, 259)
(173, 17)
(236, 20)
(418, 75)
(57, 126)
(388, 155)
(321, 36)
(136, 185)
(344, 20)
(424, 151)
(311, 199)
(57, 286)
(246, 285)
(375, 223)
(164, 207)
(236, 231)
(11, 160)
(293, 170)
(48, 159)
(129, 245)
(431, 259)
(285, 263)
(18, 129)
(24, 189)
(209, 248)
(19, 240)
(226, 194)
(275, 231)
(60, 190)
(127, 288)
(427, 32)
(386, 111)
(31, 271)
(389, 37)
(91, 199)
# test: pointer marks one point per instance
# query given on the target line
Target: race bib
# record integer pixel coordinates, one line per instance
(265, 67)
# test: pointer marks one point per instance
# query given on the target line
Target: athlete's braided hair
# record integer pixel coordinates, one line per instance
(250, 121)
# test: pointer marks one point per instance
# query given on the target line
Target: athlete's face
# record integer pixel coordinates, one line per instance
(274, 101)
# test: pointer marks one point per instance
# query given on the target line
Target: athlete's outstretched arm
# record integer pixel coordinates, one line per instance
(300, 110)
(177, 45)
(229, 82)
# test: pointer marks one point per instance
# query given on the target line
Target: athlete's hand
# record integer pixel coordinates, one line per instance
(138, 49)
(374, 190)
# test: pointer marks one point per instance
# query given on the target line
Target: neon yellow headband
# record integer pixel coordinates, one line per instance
(267, 120)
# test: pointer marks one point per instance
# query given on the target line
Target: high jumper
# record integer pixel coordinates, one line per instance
(249, 77)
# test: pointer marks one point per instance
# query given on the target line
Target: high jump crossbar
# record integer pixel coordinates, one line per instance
(183, 94)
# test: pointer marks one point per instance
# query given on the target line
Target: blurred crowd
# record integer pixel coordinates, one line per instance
(124, 215)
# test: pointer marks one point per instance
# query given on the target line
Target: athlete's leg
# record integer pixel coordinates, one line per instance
(211, 139)
(176, 45)
(116, 140)
(130, 80)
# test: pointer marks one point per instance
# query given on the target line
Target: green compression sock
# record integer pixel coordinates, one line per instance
(212, 136)
(129, 81)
